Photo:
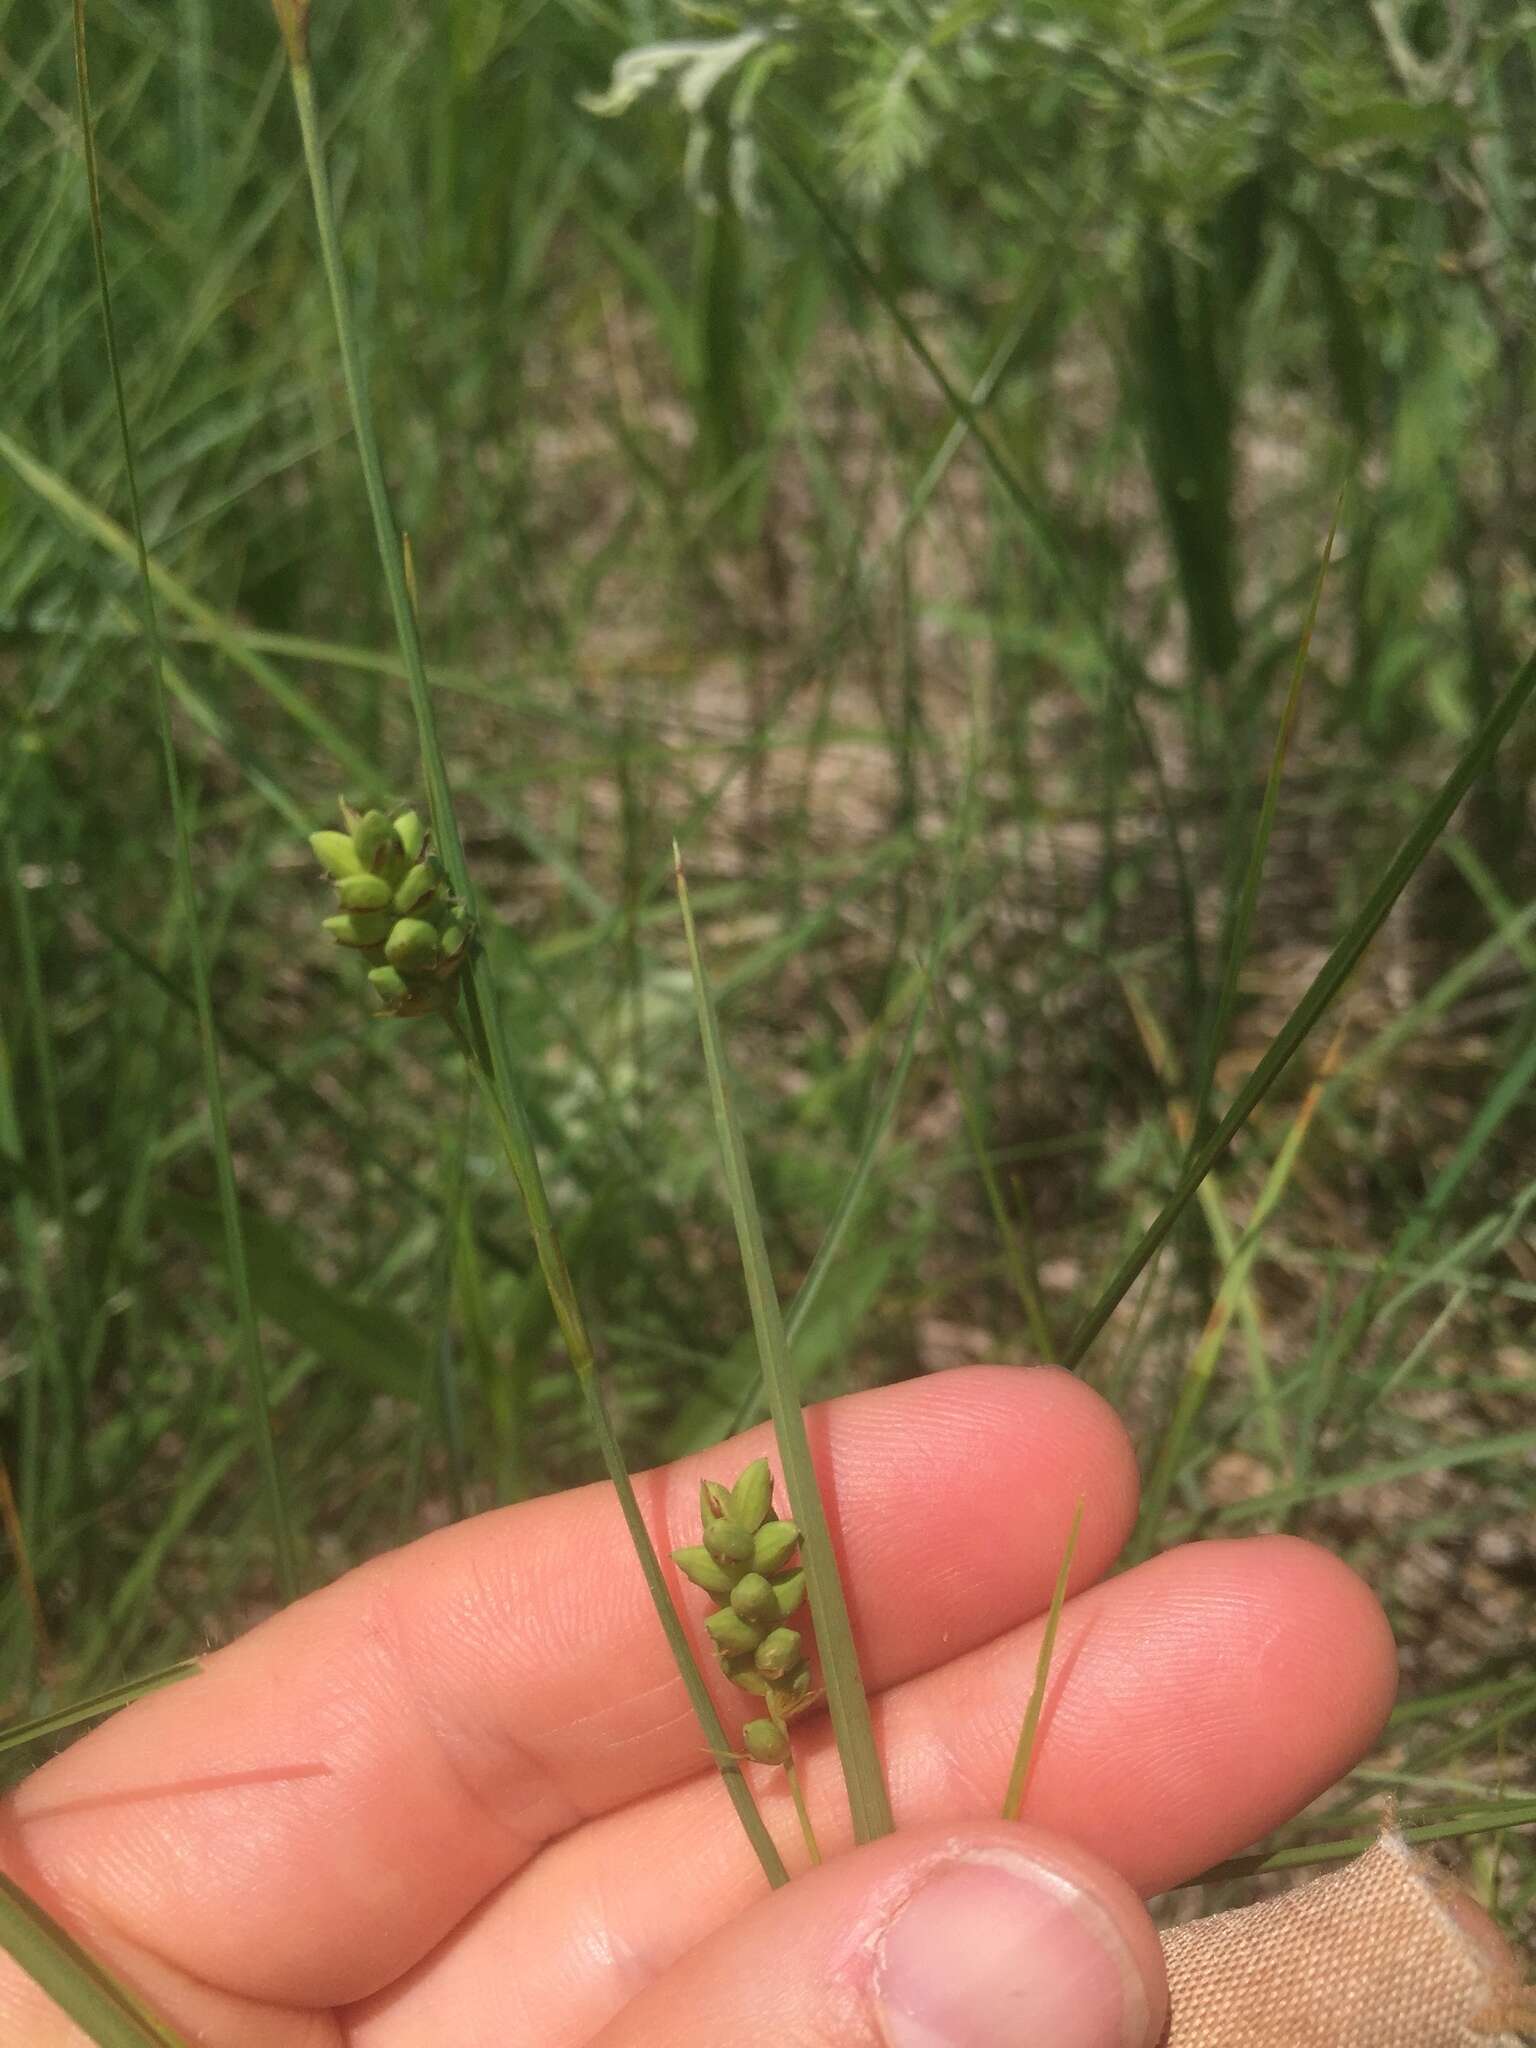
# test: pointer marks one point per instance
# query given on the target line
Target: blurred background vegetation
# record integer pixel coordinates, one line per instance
(889, 447)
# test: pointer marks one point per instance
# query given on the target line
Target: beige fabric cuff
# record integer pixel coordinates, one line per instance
(1386, 1953)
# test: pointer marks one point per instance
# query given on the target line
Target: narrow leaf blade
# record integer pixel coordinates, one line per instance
(80, 1986)
(868, 1799)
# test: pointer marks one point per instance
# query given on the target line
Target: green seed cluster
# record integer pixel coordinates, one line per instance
(395, 909)
(744, 1564)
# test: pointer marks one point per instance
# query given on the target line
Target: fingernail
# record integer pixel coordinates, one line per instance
(1005, 1952)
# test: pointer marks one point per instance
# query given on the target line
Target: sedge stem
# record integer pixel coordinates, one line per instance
(802, 1813)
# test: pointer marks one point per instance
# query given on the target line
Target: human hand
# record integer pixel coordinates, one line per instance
(459, 1798)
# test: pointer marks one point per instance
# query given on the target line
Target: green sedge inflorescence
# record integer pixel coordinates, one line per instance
(745, 1565)
(396, 910)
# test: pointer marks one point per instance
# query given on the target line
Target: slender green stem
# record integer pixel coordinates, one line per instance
(42, 1048)
(391, 550)
(26, 1578)
(1304, 1854)
(750, 1406)
(1020, 1268)
(1024, 1755)
(45, 1384)
(252, 1360)
(802, 1812)
(56, 1383)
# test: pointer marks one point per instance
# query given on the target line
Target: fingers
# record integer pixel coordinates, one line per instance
(1194, 1704)
(343, 1786)
(945, 1938)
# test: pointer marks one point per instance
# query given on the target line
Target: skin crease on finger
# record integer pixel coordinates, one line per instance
(1193, 1693)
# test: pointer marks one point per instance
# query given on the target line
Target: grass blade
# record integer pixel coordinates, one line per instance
(1510, 1089)
(1477, 1451)
(1330, 978)
(1242, 924)
(252, 1362)
(883, 1115)
(1019, 1267)
(1213, 1205)
(879, 1124)
(106, 2010)
(1130, 684)
(108, 1702)
(868, 1800)
(1024, 1755)
(1305, 1854)
(365, 1341)
(79, 516)
(47, 1392)
(26, 1578)
(1198, 1374)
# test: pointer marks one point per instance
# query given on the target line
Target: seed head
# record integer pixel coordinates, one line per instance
(362, 928)
(411, 833)
(744, 1566)
(395, 904)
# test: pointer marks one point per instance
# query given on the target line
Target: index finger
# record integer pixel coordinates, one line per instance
(346, 1783)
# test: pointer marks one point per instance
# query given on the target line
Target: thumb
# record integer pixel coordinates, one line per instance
(982, 1937)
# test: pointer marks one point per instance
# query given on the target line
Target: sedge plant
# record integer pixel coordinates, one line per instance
(418, 953)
